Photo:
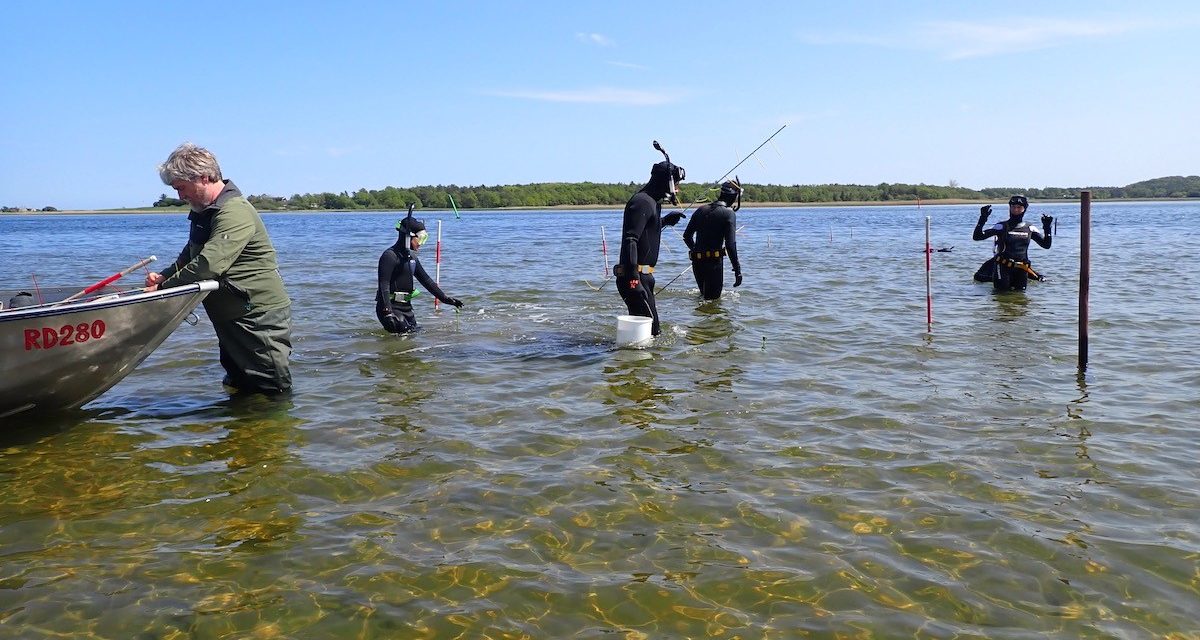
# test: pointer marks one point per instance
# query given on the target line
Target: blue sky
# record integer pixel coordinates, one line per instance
(305, 97)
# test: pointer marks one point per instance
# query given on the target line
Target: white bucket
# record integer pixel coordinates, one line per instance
(633, 331)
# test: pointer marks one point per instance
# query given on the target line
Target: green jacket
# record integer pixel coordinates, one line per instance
(228, 243)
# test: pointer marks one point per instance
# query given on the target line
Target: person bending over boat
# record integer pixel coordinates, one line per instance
(710, 235)
(398, 266)
(641, 233)
(1010, 269)
(227, 242)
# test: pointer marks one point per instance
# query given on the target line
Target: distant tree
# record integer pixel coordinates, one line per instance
(364, 199)
(164, 201)
(336, 201)
(265, 202)
(49, 209)
(592, 194)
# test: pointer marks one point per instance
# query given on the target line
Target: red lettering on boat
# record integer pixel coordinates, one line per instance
(68, 334)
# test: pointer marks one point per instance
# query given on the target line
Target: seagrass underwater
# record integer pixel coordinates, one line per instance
(797, 457)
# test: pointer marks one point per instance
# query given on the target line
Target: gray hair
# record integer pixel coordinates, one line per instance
(189, 162)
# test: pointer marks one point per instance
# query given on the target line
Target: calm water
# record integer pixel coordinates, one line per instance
(799, 459)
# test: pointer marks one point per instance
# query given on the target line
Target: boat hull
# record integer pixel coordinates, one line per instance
(59, 356)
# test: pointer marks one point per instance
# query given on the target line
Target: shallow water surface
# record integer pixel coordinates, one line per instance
(801, 458)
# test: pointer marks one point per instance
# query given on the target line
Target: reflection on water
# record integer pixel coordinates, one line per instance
(800, 458)
(635, 398)
(1011, 306)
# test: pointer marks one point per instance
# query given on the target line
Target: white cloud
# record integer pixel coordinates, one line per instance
(598, 95)
(956, 40)
(597, 39)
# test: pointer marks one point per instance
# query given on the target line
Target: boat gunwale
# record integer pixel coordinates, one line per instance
(50, 309)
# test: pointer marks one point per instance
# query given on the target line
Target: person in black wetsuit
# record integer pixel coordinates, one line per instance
(1010, 269)
(710, 235)
(398, 266)
(641, 232)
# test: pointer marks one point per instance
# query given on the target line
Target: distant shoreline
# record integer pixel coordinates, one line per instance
(597, 207)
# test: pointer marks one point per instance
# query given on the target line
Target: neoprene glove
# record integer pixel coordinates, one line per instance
(985, 211)
(393, 323)
(737, 279)
(454, 302)
(1046, 222)
(673, 218)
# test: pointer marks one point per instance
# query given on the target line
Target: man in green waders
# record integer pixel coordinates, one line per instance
(251, 312)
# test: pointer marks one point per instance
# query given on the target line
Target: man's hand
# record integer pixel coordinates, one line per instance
(737, 279)
(1046, 222)
(985, 211)
(673, 218)
(393, 324)
(454, 302)
(153, 279)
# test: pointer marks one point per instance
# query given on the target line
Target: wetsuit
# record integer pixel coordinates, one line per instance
(641, 233)
(1010, 269)
(714, 226)
(397, 268)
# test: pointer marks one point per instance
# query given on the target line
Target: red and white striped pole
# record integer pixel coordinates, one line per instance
(437, 262)
(604, 250)
(109, 280)
(928, 281)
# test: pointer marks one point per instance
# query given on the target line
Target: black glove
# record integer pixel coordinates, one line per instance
(393, 324)
(984, 212)
(454, 302)
(737, 279)
(673, 218)
(1046, 222)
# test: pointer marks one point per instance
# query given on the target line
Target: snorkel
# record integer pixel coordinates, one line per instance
(675, 174)
(731, 193)
(411, 227)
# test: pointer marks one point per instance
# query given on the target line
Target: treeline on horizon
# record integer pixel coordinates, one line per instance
(550, 194)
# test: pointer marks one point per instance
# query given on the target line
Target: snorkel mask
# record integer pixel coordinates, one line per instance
(672, 172)
(413, 227)
(731, 193)
(1020, 201)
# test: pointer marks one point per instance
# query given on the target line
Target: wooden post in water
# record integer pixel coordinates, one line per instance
(928, 281)
(1085, 272)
